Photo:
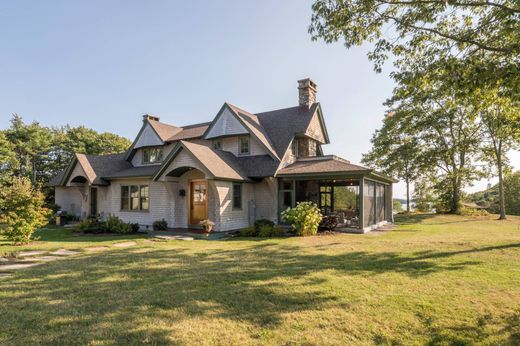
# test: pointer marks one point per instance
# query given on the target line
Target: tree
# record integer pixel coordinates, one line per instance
(512, 193)
(8, 161)
(462, 28)
(394, 151)
(397, 206)
(22, 210)
(500, 131)
(424, 195)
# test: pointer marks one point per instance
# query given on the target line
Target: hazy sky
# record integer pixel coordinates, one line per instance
(103, 64)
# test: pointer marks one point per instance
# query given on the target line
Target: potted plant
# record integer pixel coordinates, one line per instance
(207, 225)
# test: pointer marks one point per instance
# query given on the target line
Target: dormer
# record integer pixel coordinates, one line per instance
(150, 146)
(239, 132)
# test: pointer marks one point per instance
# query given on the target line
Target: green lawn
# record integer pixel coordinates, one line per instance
(434, 280)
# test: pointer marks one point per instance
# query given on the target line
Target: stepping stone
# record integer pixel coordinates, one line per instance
(46, 258)
(4, 260)
(17, 266)
(64, 252)
(125, 244)
(5, 275)
(30, 253)
(173, 237)
(96, 248)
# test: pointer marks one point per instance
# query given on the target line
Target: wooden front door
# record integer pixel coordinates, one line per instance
(198, 201)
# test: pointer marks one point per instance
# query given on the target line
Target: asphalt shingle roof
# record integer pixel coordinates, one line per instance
(322, 164)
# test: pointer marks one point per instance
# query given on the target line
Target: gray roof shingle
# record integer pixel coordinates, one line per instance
(321, 164)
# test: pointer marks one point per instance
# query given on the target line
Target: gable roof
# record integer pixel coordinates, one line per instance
(190, 132)
(164, 131)
(218, 163)
(283, 124)
(251, 124)
(96, 167)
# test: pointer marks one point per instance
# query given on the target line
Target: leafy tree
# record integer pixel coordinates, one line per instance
(22, 210)
(8, 160)
(397, 206)
(512, 193)
(394, 151)
(424, 195)
(488, 30)
(500, 131)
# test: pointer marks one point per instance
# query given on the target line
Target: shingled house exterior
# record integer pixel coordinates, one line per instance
(236, 169)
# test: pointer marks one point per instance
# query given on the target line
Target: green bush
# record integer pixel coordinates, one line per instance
(92, 225)
(116, 225)
(160, 225)
(305, 218)
(135, 227)
(248, 232)
(22, 210)
(263, 222)
(267, 231)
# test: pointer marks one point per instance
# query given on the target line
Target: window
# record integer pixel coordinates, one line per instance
(237, 196)
(217, 144)
(295, 148)
(152, 155)
(135, 197)
(243, 145)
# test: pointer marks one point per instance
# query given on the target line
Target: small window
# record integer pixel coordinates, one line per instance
(243, 148)
(135, 198)
(295, 148)
(152, 155)
(217, 144)
(237, 196)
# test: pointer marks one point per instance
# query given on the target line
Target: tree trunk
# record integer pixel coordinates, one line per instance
(501, 197)
(407, 195)
(455, 201)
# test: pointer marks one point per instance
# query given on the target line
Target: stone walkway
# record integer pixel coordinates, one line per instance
(28, 259)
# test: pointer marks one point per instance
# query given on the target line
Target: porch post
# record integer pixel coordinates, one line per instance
(361, 202)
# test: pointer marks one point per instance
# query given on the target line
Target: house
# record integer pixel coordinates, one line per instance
(236, 169)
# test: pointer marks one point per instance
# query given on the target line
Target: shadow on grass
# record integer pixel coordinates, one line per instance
(101, 298)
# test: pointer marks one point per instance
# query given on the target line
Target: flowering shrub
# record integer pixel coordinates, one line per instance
(305, 218)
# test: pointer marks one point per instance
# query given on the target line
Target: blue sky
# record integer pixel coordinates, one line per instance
(103, 64)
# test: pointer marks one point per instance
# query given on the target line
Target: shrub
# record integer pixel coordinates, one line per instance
(22, 210)
(329, 222)
(267, 231)
(135, 227)
(263, 222)
(160, 225)
(116, 225)
(207, 225)
(91, 225)
(305, 218)
(248, 232)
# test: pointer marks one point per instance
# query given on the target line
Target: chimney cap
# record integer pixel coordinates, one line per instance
(150, 117)
(307, 83)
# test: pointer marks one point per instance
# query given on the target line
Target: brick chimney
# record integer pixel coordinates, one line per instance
(150, 117)
(307, 91)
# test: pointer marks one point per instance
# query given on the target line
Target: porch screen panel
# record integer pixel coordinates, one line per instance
(369, 209)
(380, 202)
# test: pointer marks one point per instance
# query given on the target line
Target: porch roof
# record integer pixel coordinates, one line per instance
(328, 166)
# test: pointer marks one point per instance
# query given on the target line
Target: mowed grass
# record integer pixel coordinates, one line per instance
(434, 280)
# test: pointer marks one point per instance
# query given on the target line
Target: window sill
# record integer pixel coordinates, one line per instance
(134, 211)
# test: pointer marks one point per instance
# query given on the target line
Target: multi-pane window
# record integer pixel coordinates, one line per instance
(243, 145)
(152, 155)
(217, 144)
(135, 197)
(237, 196)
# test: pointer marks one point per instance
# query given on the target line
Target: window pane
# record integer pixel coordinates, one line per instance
(152, 155)
(370, 205)
(237, 196)
(244, 145)
(124, 198)
(134, 197)
(144, 198)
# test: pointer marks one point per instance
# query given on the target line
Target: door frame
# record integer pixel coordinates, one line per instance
(190, 200)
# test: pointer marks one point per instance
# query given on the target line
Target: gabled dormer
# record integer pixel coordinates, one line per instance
(239, 132)
(150, 145)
